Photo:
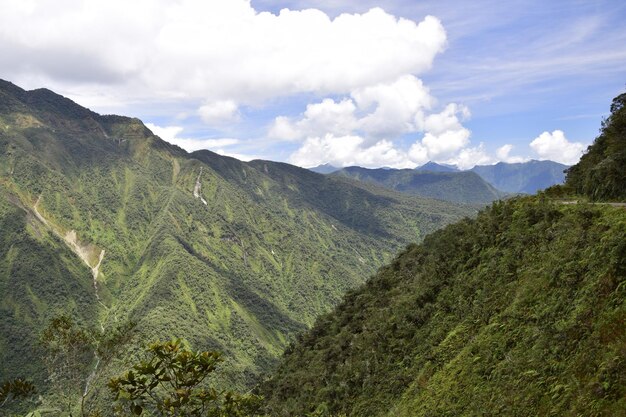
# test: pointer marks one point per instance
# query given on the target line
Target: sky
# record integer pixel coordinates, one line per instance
(388, 83)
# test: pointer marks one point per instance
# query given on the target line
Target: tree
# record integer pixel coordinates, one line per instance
(75, 358)
(601, 172)
(171, 381)
(69, 352)
(14, 389)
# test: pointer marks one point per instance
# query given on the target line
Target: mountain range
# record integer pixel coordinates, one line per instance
(522, 177)
(513, 178)
(102, 220)
(459, 187)
(435, 167)
(518, 312)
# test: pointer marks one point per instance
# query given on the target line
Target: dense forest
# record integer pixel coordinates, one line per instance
(600, 174)
(521, 311)
(518, 311)
(105, 223)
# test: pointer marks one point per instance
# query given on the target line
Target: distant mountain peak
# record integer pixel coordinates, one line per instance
(522, 177)
(456, 186)
(435, 167)
(324, 169)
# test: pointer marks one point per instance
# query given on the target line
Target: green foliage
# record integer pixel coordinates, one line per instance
(274, 247)
(69, 350)
(601, 172)
(519, 312)
(170, 382)
(15, 389)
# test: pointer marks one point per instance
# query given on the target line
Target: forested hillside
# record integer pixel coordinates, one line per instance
(601, 172)
(519, 312)
(105, 222)
(459, 187)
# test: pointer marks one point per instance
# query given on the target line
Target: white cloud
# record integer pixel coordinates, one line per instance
(503, 154)
(283, 129)
(209, 50)
(556, 147)
(347, 151)
(170, 134)
(236, 155)
(396, 107)
(219, 112)
(167, 133)
(445, 136)
(322, 118)
(418, 153)
(380, 111)
(447, 120)
(469, 157)
(445, 144)
(378, 115)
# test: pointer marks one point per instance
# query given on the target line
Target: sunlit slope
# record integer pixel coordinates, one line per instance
(228, 255)
(519, 312)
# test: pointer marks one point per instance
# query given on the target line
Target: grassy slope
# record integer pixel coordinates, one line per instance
(274, 247)
(459, 187)
(520, 312)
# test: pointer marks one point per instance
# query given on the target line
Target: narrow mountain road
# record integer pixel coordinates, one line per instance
(596, 203)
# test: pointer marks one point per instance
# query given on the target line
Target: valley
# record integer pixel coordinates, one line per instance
(269, 208)
(106, 222)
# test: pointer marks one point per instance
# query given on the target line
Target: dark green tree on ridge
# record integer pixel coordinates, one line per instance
(601, 172)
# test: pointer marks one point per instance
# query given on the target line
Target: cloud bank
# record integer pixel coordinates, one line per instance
(556, 147)
(359, 72)
(223, 52)
(361, 129)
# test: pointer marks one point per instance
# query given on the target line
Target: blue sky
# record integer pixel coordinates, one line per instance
(476, 83)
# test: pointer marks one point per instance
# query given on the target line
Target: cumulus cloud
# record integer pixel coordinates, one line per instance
(237, 155)
(556, 147)
(378, 115)
(503, 154)
(170, 134)
(469, 157)
(218, 56)
(218, 51)
(394, 108)
(445, 134)
(326, 117)
(219, 112)
(380, 111)
(347, 151)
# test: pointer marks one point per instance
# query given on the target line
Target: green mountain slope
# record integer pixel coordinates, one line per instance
(460, 187)
(601, 172)
(230, 256)
(519, 312)
(523, 177)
